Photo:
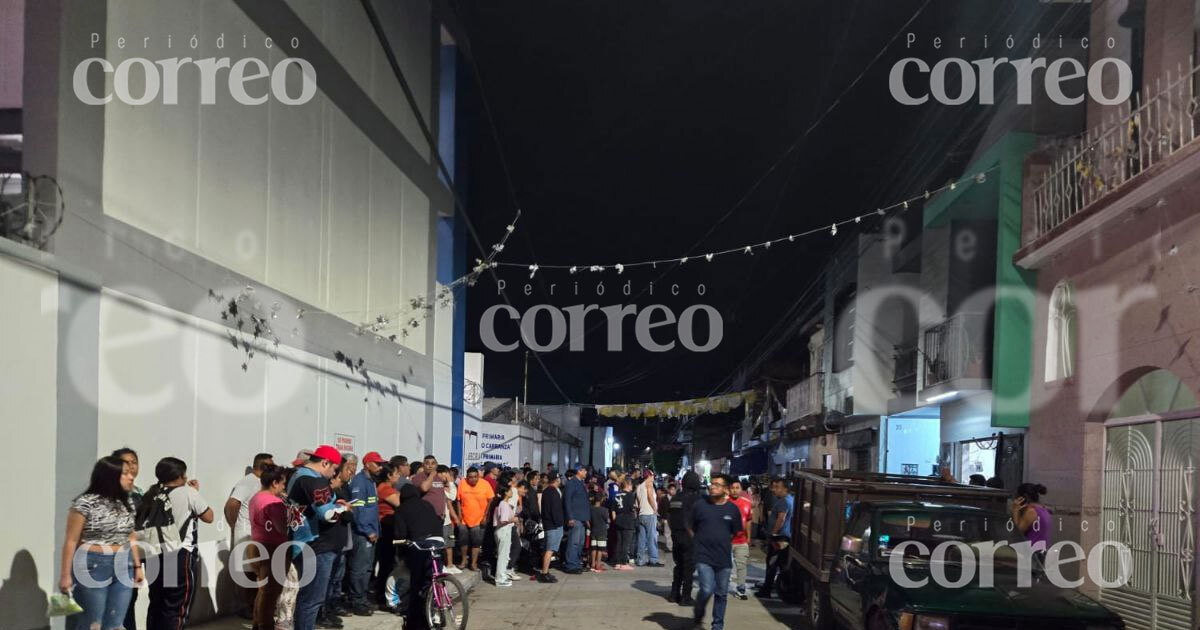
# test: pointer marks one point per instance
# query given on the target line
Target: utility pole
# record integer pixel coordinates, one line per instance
(525, 393)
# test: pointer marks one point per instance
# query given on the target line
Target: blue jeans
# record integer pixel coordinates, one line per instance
(312, 595)
(554, 540)
(359, 565)
(337, 574)
(647, 540)
(574, 546)
(714, 583)
(104, 603)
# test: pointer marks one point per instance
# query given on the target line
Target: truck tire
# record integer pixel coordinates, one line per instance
(818, 614)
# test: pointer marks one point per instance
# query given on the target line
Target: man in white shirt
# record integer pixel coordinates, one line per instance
(237, 516)
(647, 540)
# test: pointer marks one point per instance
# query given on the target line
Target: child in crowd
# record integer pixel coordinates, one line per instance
(504, 519)
(624, 515)
(599, 528)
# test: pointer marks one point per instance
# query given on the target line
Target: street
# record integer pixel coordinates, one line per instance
(612, 599)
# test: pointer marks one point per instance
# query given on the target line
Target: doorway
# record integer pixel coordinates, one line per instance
(1149, 505)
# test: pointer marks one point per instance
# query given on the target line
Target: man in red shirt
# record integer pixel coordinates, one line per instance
(491, 475)
(741, 540)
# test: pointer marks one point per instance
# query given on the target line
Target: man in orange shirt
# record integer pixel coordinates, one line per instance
(473, 498)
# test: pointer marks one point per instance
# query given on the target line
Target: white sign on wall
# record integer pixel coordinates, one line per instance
(490, 442)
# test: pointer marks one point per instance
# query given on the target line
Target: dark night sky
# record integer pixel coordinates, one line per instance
(632, 129)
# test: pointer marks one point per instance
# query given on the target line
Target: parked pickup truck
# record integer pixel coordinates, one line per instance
(847, 526)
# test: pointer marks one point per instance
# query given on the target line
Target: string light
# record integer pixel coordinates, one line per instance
(832, 229)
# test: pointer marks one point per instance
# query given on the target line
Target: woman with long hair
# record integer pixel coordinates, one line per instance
(385, 552)
(1031, 517)
(95, 563)
(268, 529)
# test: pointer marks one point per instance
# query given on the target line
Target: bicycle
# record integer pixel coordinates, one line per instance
(445, 593)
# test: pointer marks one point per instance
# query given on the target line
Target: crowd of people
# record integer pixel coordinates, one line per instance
(314, 541)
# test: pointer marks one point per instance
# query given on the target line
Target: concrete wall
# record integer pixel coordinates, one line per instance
(881, 316)
(1136, 309)
(326, 209)
(29, 408)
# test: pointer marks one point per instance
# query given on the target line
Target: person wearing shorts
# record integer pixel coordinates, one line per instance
(473, 499)
(598, 526)
(553, 520)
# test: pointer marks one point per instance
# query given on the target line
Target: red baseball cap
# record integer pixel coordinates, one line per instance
(328, 453)
(373, 458)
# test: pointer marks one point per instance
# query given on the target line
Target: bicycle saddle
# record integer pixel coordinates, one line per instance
(433, 543)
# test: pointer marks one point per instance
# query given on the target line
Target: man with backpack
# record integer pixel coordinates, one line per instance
(168, 518)
(310, 489)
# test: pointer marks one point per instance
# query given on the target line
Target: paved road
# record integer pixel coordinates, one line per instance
(612, 599)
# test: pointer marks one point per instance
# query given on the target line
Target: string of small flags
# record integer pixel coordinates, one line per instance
(749, 249)
(421, 307)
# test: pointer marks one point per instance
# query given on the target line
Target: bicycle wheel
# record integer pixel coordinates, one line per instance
(450, 613)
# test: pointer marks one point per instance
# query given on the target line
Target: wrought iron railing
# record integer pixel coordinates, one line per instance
(956, 348)
(806, 398)
(1147, 129)
(904, 374)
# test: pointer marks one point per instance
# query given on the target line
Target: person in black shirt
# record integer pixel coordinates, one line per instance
(415, 520)
(599, 529)
(310, 489)
(624, 514)
(712, 525)
(553, 519)
(678, 517)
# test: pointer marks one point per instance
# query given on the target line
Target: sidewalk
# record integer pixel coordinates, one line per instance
(469, 580)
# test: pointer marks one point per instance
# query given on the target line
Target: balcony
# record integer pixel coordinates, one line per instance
(1087, 178)
(806, 398)
(957, 350)
(904, 369)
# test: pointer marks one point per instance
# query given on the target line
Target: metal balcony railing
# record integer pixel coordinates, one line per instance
(1147, 129)
(905, 368)
(806, 398)
(956, 349)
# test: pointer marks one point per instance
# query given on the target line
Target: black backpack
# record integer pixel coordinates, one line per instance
(155, 521)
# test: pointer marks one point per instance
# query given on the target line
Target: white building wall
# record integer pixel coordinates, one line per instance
(294, 196)
(28, 418)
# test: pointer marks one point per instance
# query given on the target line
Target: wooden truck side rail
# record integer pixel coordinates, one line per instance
(820, 507)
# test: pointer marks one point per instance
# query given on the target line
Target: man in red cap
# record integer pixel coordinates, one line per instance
(364, 531)
(310, 489)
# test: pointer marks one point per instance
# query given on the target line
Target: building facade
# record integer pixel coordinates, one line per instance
(1112, 229)
(223, 243)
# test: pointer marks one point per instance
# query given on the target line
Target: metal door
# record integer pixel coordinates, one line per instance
(1149, 506)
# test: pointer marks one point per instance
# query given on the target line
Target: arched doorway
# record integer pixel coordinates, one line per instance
(1152, 448)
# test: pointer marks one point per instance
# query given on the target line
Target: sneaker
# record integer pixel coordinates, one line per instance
(503, 584)
(546, 578)
(453, 570)
(741, 594)
(573, 571)
(362, 611)
(657, 565)
(329, 622)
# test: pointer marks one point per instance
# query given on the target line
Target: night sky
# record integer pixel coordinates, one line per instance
(639, 130)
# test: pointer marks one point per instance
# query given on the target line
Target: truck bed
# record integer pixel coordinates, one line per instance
(820, 507)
